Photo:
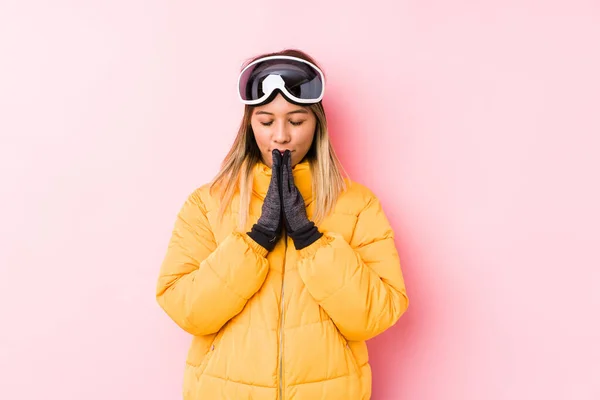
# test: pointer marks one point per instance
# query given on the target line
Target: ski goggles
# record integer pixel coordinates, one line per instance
(300, 81)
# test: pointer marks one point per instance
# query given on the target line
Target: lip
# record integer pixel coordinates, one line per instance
(284, 150)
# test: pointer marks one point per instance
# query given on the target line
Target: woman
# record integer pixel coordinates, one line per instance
(281, 269)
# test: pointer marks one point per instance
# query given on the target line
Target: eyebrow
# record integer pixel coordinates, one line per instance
(299, 111)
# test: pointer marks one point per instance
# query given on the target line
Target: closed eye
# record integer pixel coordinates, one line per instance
(295, 123)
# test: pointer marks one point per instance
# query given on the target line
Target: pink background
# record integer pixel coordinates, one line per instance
(476, 125)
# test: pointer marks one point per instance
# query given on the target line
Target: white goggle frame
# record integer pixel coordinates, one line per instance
(275, 81)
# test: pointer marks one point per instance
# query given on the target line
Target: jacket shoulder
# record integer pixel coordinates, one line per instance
(355, 198)
(204, 197)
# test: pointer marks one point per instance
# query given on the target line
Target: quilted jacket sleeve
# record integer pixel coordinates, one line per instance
(359, 284)
(201, 285)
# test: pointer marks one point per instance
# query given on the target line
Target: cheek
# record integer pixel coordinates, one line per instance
(260, 137)
(307, 136)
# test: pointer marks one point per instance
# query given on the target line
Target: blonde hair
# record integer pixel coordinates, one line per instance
(237, 167)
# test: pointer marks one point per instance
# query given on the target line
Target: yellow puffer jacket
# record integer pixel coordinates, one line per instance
(288, 324)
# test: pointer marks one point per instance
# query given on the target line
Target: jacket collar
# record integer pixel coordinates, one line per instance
(302, 179)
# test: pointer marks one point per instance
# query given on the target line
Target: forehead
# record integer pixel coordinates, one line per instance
(280, 106)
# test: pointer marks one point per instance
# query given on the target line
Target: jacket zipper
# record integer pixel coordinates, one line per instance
(281, 323)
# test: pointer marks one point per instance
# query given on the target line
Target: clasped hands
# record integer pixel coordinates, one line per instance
(283, 207)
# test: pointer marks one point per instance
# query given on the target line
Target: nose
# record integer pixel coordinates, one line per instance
(281, 135)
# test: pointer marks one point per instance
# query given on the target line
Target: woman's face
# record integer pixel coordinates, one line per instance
(283, 126)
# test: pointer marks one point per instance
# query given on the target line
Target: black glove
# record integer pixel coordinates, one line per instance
(302, 230)
(267, 229)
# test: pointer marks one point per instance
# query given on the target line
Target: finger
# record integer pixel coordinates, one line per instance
(275, 168)
(274, 185)
(285, 157)
(284, 172)
(288, 167)
(276, 157)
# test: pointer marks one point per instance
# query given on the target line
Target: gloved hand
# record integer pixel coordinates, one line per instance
(302, 230)
(267, 229)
